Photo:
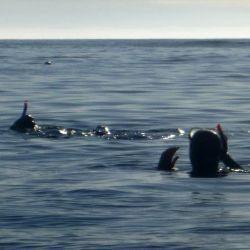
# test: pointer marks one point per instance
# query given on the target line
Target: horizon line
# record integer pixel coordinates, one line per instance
(129, 38)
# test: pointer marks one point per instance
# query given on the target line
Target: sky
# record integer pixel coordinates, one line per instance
(93, 19)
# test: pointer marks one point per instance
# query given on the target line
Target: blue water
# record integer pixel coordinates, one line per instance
(69, 189)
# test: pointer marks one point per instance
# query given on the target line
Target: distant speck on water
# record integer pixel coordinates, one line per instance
(48, 62)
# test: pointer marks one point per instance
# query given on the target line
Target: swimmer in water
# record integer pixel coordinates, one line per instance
(101, 130)
(25, 122)
(207, 148)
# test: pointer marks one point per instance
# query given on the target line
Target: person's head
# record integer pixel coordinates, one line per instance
(25, 122)
(205, 151)
(102, 130)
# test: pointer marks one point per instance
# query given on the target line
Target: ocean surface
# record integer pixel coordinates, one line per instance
(66, 188)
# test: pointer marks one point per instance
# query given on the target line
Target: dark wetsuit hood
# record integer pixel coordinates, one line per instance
(207, 149)
(205, 152)
(25, 122)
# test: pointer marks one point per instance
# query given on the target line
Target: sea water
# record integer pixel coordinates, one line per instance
(66, 188)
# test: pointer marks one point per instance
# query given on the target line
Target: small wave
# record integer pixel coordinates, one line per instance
(96, 167)
(108, 193)
(238, 76)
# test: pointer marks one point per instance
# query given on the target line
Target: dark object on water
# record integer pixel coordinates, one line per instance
(101, 130)
(204, 151)
(168, 159)
(25, 122)
(207, 149)
(48, 63)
